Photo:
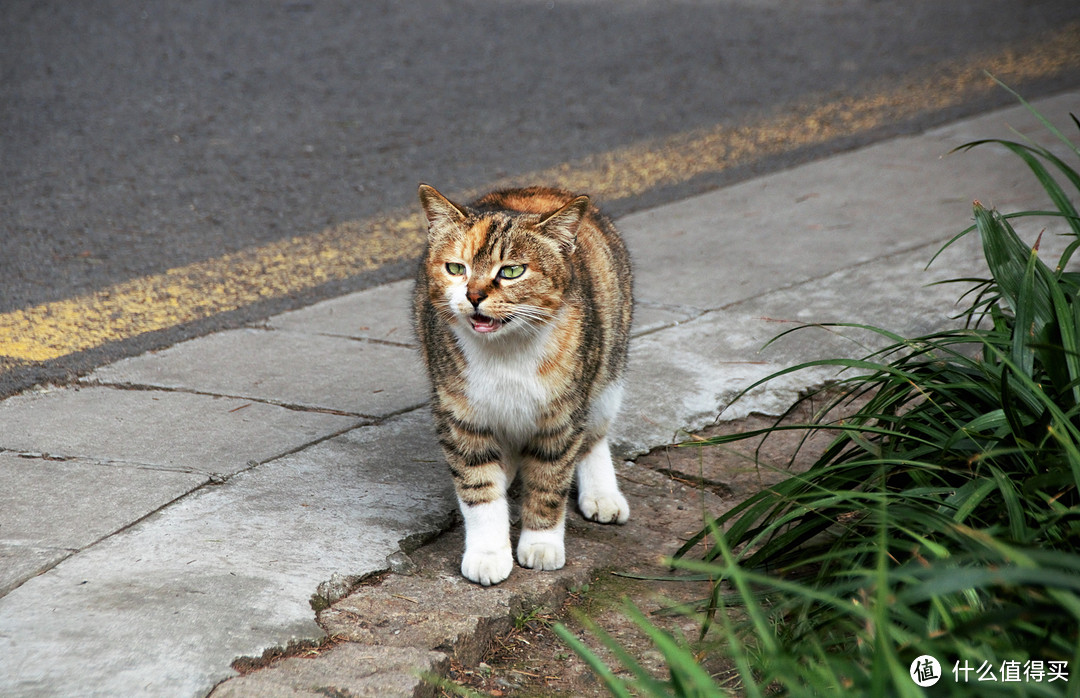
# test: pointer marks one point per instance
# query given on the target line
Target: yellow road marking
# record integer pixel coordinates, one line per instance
(204, 289)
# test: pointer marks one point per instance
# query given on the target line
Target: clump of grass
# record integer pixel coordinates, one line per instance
(943, 519)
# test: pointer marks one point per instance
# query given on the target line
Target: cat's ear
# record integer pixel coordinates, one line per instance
(443, 215)
(563, 224)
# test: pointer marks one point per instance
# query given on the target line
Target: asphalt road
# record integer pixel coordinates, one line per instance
(139, 138)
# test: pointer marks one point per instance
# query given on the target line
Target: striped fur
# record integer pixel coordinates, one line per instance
(522, 306)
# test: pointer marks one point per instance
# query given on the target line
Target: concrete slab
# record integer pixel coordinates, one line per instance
(286, 368)
(382, 313)
(178, 431)
(784, 229)
(649, 317)
(75, 503)
(680, 378)
(164, 607)
(19, 562)
(351, 669)
(455, 607)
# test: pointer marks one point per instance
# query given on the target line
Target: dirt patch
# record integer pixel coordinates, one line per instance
(531, 660)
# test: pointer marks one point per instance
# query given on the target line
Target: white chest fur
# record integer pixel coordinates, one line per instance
(502, 382)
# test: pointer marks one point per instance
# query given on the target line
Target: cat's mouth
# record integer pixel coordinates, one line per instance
(484, 324)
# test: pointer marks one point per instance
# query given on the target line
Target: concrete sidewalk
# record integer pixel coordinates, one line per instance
(180, 509)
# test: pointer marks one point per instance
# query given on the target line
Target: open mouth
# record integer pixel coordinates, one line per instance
(484, 324)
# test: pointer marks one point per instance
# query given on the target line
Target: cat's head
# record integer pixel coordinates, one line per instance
(495, 272)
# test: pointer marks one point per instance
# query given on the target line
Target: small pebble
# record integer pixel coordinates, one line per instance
(400, 563)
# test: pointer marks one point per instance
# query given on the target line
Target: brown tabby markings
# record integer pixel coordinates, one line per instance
(529, 397)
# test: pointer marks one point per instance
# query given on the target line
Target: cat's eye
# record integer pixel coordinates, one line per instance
(512, 271)
(455, 268)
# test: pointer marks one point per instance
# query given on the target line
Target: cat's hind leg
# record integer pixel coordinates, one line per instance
(599, 498)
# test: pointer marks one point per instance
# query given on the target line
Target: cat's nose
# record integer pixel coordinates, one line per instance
(475, 297)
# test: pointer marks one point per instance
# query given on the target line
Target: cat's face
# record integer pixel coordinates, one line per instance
(498, 273)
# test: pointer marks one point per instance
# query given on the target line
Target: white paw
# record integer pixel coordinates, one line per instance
(487, 567)
(542, 550)
(607, 507)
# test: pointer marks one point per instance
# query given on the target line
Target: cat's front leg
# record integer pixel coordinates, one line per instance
(488, 559)
(546, 474)
(543, 549)
(480, 480)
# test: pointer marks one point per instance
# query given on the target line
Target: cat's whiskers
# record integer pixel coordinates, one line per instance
(446, 312)
(532, 312)
(532, 317)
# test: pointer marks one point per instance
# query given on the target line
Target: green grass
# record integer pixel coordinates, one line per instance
(943, 518)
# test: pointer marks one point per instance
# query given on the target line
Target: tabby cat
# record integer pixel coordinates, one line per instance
(522, 307)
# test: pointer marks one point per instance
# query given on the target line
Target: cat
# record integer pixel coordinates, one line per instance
(522, 307)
